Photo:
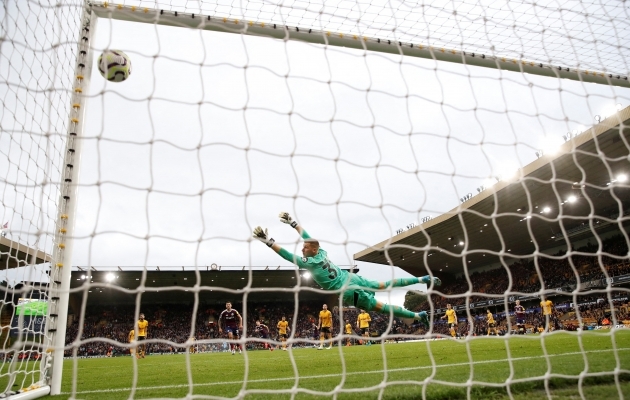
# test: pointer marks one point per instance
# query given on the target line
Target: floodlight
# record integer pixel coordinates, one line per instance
(572, 199)
(508, 170)
(489, 182)
(550, 144)
(546, 209)
(110, 277)
(306, 275)
(622, 178)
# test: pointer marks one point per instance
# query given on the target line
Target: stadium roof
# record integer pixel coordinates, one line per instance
(177, 286)
(507, 219)
(14, 254)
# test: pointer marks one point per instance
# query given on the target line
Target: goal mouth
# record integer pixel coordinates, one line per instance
(452, 160)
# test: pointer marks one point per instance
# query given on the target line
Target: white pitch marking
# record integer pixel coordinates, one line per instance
(346, 374)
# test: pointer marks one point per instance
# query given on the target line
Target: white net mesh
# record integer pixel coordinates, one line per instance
(37, 61)
(214, 133)
(586, 35)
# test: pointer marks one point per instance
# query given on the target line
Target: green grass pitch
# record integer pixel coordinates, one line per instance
(391, 371)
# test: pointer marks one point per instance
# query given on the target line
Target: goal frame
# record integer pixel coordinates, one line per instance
(353, 40)
(56, 321)
(61, 265)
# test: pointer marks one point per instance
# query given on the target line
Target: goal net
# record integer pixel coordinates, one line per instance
(382, 127)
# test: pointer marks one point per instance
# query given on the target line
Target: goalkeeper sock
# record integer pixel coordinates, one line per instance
(393, 283)
(398, 311)
(402, 282)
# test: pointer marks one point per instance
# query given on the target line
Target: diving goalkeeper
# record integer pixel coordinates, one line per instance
(330, 277)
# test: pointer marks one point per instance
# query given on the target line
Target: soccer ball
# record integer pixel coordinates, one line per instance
(114, 65)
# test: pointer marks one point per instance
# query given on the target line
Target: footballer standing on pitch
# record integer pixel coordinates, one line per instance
(143, 325)
(232, 321)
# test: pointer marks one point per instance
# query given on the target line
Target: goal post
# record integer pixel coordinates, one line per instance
(61, 267)
(46, 68)
(356, 40)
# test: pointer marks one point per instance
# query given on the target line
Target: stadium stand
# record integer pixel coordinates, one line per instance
(555, 274)
(170, 324)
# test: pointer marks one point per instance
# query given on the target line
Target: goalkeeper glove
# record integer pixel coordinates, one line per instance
(286, 219)
(263, 236)
(427, 280)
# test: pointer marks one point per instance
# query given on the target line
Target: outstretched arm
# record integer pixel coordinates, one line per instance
(263, 236)
(285, 218)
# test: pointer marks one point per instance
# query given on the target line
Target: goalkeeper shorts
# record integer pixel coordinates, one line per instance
(359, 298)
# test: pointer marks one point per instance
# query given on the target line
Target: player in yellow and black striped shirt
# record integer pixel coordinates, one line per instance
(348, 333)
(132, 339)
(143, 326)
(325, 327)
(363, 323)
(283, 329)
(492, 325)
(547, 310)
(452, 319)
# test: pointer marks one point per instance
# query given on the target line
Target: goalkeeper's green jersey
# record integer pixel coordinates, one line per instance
(324, 272)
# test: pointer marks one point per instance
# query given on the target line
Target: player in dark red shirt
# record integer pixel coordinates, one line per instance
(232, 322)
(263, 332)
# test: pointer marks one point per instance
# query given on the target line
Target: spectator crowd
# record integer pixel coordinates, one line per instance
(528, 276)
(171, 326)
